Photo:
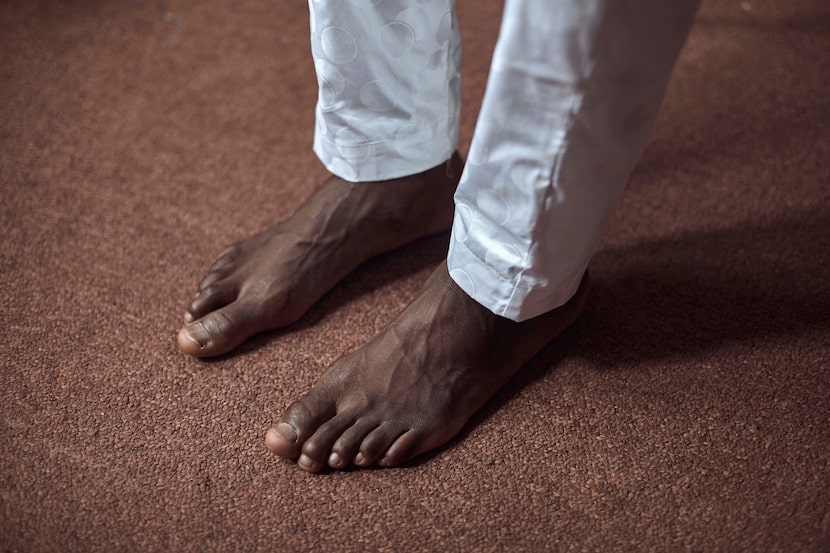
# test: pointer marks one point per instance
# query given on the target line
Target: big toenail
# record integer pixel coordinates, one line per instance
(287, 432)
(198, 334)
(196, 337)
(335, 460)
(305, 461)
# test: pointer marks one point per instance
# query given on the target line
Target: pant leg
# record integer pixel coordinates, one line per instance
(389, 85)
(573, 92)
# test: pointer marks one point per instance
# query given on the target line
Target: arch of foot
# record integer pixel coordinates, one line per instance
(389, 85)
(574, 89)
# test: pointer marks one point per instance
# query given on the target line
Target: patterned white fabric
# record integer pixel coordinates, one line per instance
(389, 81)
(573, 92)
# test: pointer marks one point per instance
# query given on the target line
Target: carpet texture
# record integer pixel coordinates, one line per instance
(687, 410)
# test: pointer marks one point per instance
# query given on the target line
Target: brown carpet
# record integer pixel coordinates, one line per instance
(687, 410)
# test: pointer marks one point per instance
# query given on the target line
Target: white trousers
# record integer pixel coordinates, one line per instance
(573, 92)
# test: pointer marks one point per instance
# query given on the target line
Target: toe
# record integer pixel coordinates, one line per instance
(299, 422)
(210, 279)
(211, 299)
(225, 259)
(407, 446)
(376, 443)
(282, 439)
(347, 445)
(225, 264)
(318, 448)
(218, 332)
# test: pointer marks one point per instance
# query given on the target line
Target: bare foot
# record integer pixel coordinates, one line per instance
(413, 386)
(271, 279)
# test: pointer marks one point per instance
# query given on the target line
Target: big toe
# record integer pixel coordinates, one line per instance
(216, 333)
(283, 440)
(299, 422)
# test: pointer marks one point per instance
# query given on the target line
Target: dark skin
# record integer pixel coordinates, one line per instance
(271, 279)
(414, 385)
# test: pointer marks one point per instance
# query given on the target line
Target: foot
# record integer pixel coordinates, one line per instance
(413, 387)
(271, 279)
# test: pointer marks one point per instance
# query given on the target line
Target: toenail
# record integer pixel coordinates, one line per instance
(359, 459)
(335, 460)
(287, 432)
(196, 337)
(305, 461)
(188, 318)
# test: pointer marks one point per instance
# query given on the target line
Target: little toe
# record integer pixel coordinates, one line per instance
(211, 299)
(407, 446)
(376, 443)
(347, 445)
